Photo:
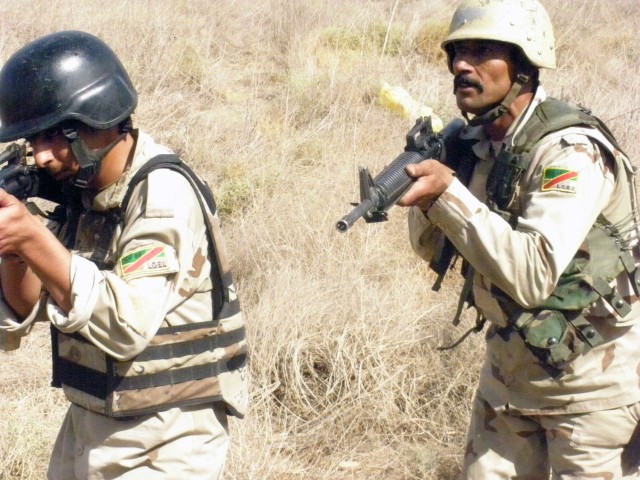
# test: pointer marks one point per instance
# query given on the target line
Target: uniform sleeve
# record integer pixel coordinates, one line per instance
(11, 329)
(121, 310)
(565, 189)
(423, 234)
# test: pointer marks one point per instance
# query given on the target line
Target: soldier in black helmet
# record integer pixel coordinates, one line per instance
(148, 335)
(540, 201)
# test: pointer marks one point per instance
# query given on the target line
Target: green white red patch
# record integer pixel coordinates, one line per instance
(559, 180)
(153, 259)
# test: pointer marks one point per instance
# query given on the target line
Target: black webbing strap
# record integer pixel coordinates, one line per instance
(173, 162)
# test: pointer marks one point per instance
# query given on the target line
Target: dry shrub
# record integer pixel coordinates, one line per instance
(429, 39)
(275, 104)
(598, 54)
(31, 410)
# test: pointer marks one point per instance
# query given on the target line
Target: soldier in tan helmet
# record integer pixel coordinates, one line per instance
(539, 200)
(129, 271)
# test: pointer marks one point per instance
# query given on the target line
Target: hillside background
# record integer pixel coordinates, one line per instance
(276, 104)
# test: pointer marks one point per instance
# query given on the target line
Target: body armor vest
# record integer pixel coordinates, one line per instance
(607, 249)
(195, 363)
(556, 331)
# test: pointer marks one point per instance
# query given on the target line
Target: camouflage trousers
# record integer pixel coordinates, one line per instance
(603, 445)
(179, 443)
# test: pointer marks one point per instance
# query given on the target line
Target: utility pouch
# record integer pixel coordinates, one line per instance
(556, 337)
(504, 176)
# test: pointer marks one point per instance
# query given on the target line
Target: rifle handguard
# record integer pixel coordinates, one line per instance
(379, 194)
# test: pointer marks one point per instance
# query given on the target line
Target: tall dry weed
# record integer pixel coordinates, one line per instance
(275, 103)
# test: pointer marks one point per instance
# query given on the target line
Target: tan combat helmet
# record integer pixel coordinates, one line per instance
(524, 23)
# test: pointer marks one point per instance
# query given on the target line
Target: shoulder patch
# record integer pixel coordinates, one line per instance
(153, 259)
(559, 180)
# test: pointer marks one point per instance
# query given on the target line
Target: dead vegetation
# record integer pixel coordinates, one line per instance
(275, 103)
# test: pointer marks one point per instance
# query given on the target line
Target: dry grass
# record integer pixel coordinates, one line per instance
(275, 103)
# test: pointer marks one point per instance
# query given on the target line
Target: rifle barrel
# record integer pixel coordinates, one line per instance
(348, 220)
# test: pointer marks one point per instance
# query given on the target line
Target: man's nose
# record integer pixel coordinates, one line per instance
(460, 64)
(41, 154)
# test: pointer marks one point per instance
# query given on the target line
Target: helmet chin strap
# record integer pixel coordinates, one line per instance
(89, 160)
(502, 108)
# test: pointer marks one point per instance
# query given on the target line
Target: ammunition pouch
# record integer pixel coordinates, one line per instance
(503, 178)
(555, 337)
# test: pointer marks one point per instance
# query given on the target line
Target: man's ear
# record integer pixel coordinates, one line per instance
(522, 65)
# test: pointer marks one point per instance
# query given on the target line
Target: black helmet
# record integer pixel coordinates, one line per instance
(67, 75)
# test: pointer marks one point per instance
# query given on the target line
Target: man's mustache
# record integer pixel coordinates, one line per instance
(462, 81)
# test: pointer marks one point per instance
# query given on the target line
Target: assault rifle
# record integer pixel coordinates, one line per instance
(379, 194)
(20, 177)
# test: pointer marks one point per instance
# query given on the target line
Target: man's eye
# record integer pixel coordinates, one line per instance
(475, 51)
(47, 135)
(50, 133)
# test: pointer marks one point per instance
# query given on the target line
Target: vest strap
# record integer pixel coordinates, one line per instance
(159, 378)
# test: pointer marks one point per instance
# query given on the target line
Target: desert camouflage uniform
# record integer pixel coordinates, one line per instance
(525, 421)
(120, 311)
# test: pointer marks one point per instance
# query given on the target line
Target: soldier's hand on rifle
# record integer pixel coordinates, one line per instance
(16, 224)
(432, 179)
(25, 235)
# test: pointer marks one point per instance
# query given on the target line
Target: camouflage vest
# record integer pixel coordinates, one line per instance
(557, 331)
(196, 363)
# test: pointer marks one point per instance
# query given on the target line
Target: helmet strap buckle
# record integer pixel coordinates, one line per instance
(496, 112)
(89, 160)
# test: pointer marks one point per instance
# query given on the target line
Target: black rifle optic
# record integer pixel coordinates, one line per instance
(379, 194)
(22, 179)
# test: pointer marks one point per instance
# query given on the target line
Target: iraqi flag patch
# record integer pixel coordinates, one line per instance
(559, 180)
(154, 259)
